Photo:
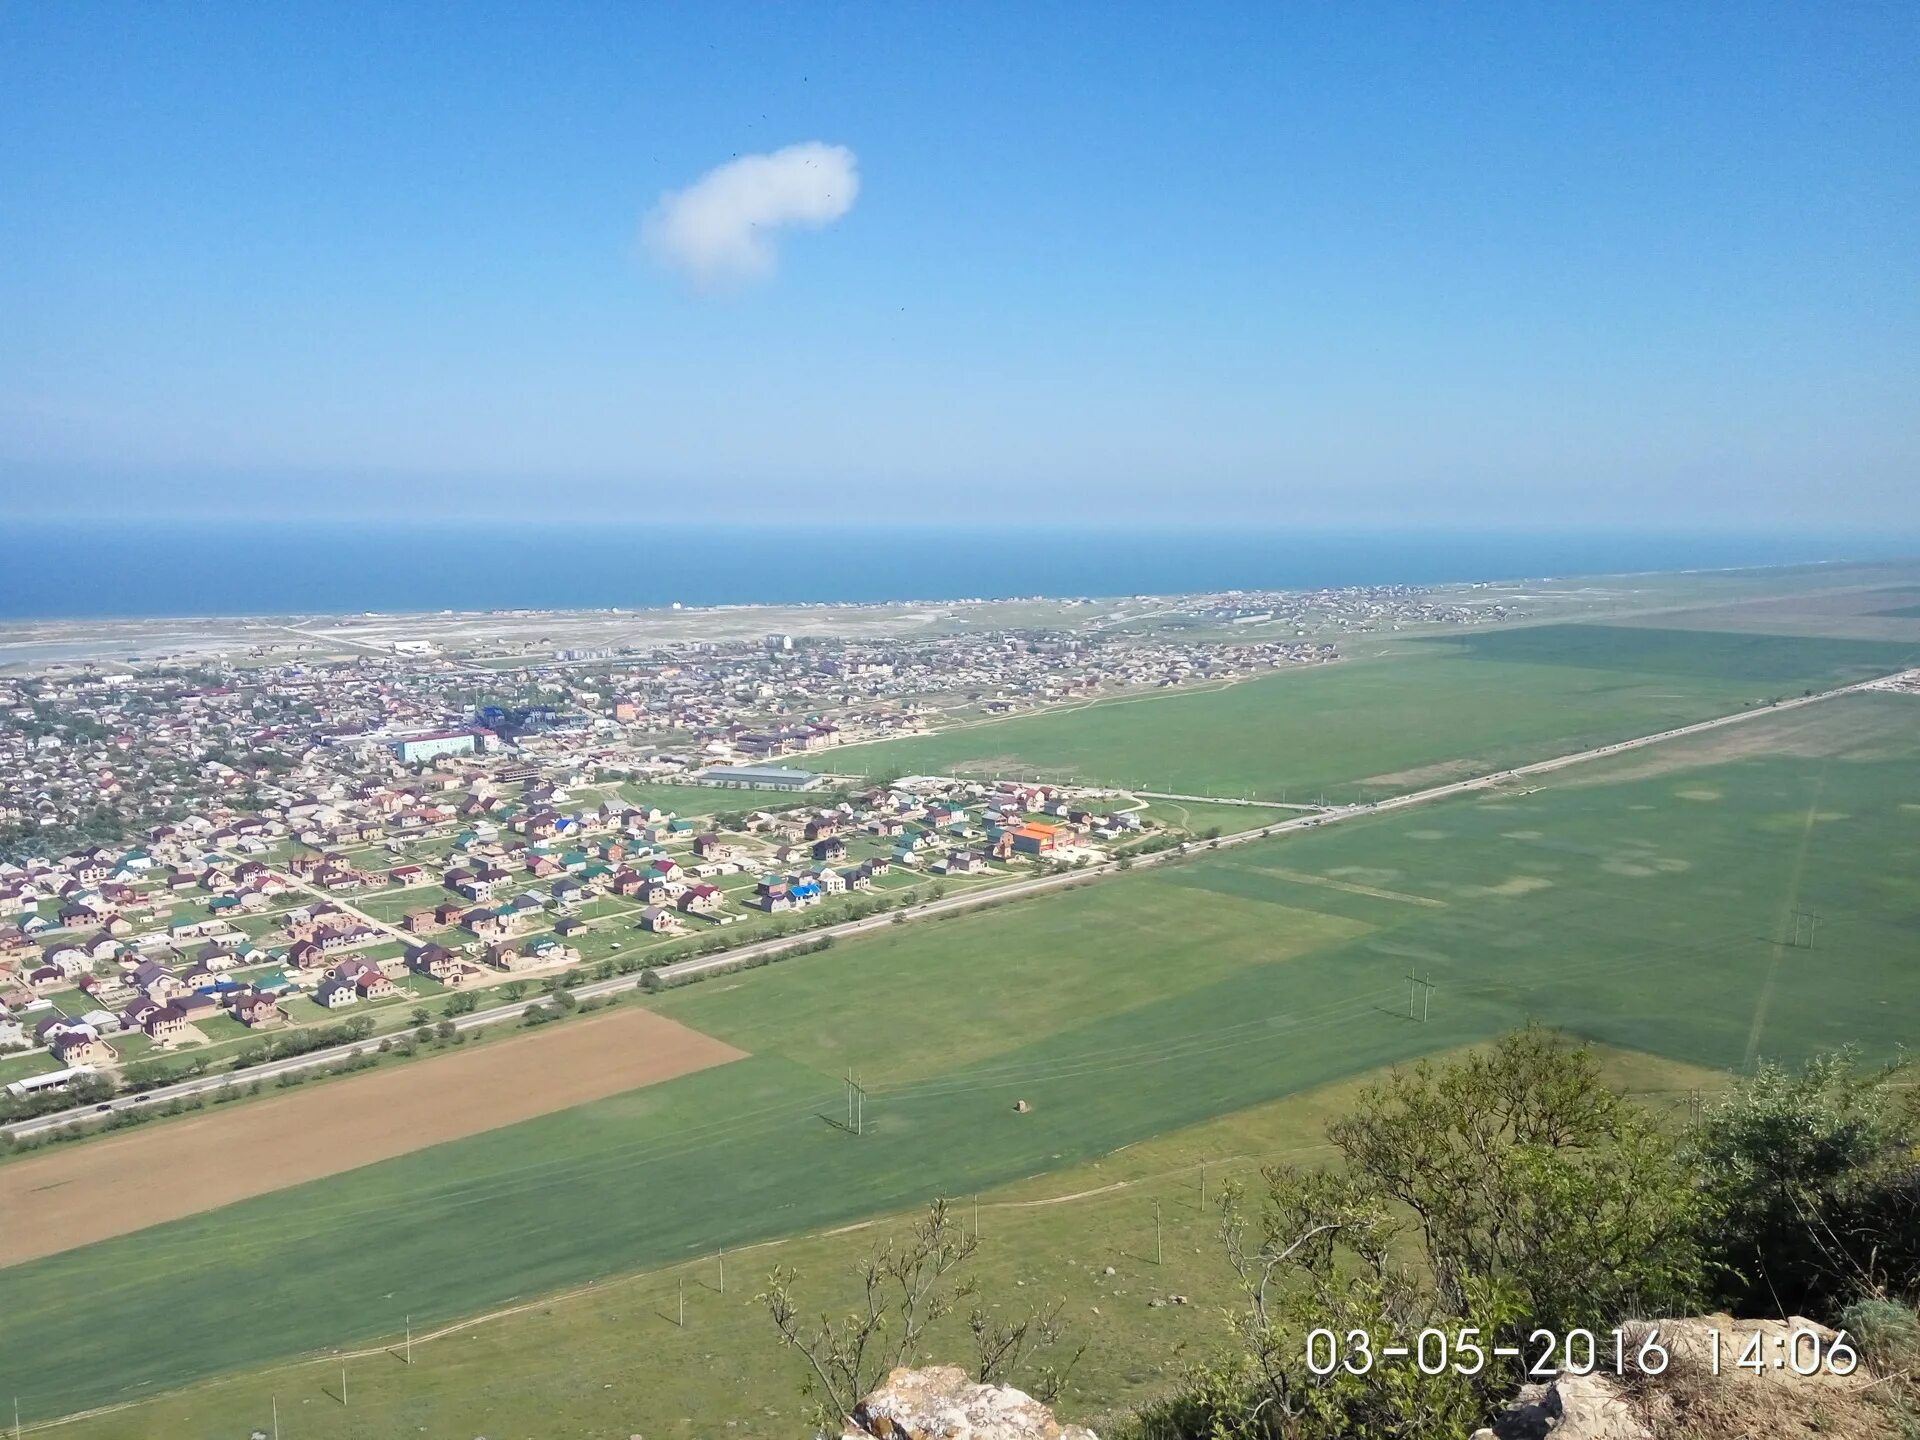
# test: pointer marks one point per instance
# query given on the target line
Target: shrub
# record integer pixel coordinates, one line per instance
(1814, 1189)
(1886, 1332)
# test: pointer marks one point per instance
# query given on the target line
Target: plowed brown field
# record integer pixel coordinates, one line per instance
(75, 1194)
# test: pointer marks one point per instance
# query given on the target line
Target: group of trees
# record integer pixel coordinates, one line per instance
(1511, 1191)
(303, 1040)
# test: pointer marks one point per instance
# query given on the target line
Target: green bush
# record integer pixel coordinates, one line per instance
(1811, 1176)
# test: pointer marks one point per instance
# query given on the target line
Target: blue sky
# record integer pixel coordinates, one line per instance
(1534, 265)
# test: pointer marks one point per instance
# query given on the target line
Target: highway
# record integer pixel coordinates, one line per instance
(689, 969)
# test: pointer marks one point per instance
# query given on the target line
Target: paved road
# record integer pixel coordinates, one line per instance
(687, 969)
(392, 932)
(1226, 800)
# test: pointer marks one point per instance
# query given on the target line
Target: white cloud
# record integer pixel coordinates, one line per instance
(723, 226)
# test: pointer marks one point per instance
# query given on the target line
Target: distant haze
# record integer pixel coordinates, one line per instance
(79, 569)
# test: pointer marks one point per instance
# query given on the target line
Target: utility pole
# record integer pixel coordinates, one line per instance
(1203, 1187)
(276, 1417)
(682, 1322)
(1156, 1232)
(976, 1214)
(1419, 994)
(409, 1340)
(723, 1272)
(343, 1383)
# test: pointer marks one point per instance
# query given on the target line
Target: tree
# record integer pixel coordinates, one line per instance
(906, 1287)
(421, 1015)
(1519, 1166)
(1316, 1256)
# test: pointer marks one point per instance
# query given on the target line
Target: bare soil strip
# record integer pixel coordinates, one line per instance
(75, 1195)
(1299, 877)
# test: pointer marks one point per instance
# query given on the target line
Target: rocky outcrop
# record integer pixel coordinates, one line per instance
(943, 1403)
(1698, 1396)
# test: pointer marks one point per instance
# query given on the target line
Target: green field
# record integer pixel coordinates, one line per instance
(1638, 902)
(631, 1367)
(1428, 711)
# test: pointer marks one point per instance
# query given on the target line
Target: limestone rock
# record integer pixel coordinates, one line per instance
(943, 1403)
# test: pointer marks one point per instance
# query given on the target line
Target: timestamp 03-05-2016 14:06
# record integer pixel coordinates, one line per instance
(1632, 1349)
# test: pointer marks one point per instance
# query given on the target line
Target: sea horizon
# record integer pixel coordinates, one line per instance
(80, 570)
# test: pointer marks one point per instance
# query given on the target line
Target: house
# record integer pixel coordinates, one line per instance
(775, 896)
(306, 955)
(195, 1006)
(75, 1048)
(420, 922)
(373, 984)
(702, 899)
(508, 956)
(407, 875)
(547, 950)
(488, 924)
(102, 947)
(156, 982)
(336, 992)
(966, 862)
(829, 849)
(165, 1024)
(661, 921)
(253, 1008)
(1035, 838)
(436, 962)
(67, 960)
(657, 891)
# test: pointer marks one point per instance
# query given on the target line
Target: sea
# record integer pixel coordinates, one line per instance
(109, 569)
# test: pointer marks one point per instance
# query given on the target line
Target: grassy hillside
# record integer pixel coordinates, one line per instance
(1432, 710)
(614, 1360)
(1637, 902)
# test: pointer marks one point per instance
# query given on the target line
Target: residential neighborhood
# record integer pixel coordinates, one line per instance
(207, 864)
